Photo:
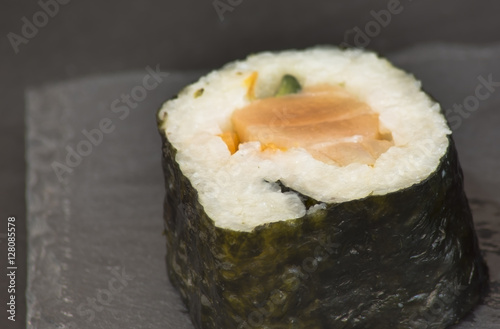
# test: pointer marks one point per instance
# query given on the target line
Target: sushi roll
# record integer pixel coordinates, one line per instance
(316, 188)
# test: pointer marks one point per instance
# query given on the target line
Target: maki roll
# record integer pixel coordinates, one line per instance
(316, 189)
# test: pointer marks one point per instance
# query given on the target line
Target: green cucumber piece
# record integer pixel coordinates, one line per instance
(288, 85)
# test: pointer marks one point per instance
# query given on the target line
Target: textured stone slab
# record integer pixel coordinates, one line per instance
(96, 253)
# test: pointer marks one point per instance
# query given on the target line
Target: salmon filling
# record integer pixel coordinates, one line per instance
(327, 121)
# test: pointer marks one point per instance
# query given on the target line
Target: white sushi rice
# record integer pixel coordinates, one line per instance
(235, 190)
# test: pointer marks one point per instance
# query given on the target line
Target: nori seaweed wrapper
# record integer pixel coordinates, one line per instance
(407, 259)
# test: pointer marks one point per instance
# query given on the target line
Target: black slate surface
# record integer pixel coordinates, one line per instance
(96, 253)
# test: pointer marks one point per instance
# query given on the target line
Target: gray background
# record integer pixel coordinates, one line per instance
(96, 38)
